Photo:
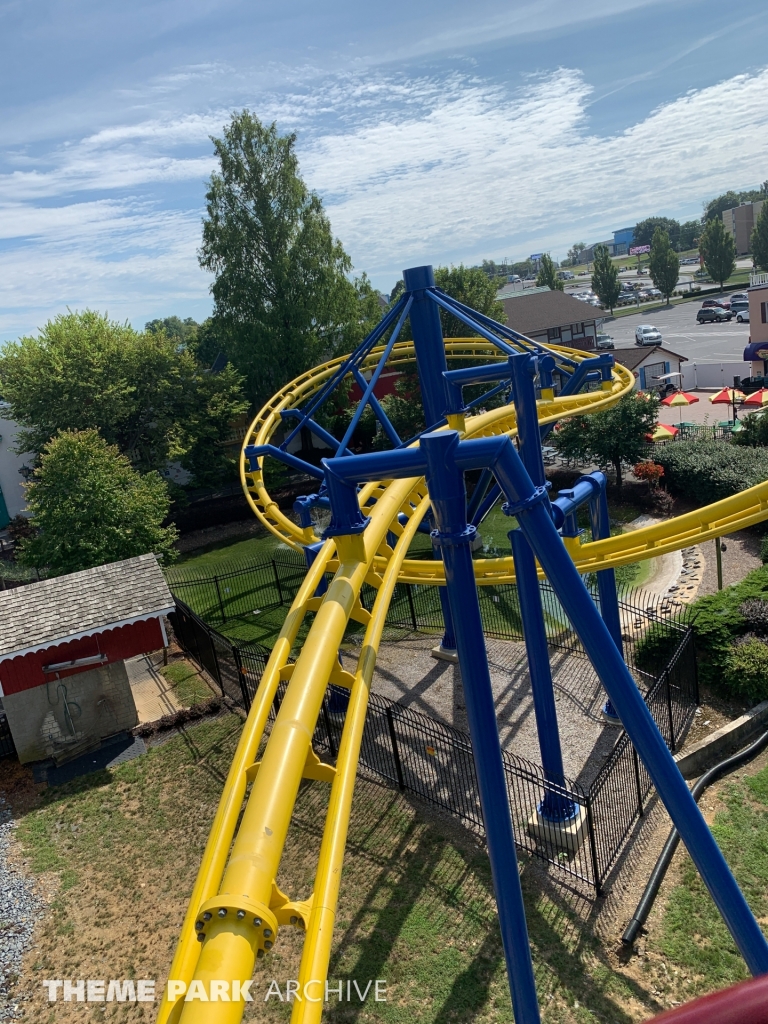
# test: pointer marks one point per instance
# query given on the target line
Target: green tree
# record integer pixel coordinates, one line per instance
(605, 277)
(646, 229)
(89, 507)
(689, 234)
(142, 391)
(718, 250)
(183, 332)
(472, 287)
(663, 263)
(613, 437)
(758, 242)
(282, 299)
(574, 253)
(547, 276)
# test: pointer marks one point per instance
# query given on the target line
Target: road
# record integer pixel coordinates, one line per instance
(707, 343)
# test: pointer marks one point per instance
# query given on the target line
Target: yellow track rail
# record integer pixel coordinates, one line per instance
(240, 864)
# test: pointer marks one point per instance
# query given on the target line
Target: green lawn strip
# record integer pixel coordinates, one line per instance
(416, 905)
(206, 560)
(693, 934)
(188, 684)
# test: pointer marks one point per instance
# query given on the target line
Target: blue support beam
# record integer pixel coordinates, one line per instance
(254, 452)
(527, 503)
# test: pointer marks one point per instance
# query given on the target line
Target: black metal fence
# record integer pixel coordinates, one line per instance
(435, 761)
(236, 667)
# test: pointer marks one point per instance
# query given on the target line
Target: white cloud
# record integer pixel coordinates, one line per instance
(412, 170)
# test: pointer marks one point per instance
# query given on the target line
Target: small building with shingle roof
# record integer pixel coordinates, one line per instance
(63, 644)
(552, 317)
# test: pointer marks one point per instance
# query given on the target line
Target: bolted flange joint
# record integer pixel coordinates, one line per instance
(241, 913)
(511, 509)
(465, 536)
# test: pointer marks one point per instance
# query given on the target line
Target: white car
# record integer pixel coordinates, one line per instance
(742, 317)
(647, 334)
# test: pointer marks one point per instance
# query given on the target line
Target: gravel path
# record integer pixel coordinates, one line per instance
(20, 907)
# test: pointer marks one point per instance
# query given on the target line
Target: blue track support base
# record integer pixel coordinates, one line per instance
(609, 714)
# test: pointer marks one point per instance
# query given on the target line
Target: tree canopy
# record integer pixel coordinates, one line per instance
(574, 253)
(718, 250)
(89, 507)
(142, 391)
(646, 229)
(663, 263)
(612, 437)
(689, 234)
(547, 276)
(605, 277)
(759, 239)
(282, 299)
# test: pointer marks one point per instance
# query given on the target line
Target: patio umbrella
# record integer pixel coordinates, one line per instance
(758, 398)
(663, 432)
(728, 396)
(680, 398)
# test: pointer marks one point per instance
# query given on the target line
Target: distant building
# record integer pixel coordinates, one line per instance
(622, 239)
(649, 364)
(739, 223)
(12, 497)
(756, 351)
(552, 316)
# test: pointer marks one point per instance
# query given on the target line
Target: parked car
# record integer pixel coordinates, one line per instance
(742, 317)
(713, 315)
(626, 299)
(604, 341)
(715, 302)
(739, 305)
(739, 297)
(647, 334)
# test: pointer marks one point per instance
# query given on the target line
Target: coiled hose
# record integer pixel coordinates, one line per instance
(643, 908)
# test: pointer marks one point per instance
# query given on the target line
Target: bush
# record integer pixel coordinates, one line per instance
(654, 650)
(706, 471)
(718, 621)
(746, 673)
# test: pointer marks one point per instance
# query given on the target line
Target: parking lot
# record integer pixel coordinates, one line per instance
(708, 343)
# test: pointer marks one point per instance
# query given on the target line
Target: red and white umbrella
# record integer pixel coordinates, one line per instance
(680, 398)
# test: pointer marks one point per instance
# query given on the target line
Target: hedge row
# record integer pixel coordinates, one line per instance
(706, 471)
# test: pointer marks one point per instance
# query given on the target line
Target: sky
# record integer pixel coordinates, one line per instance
(437, 132)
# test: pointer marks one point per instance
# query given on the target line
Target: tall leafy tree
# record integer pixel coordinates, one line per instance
(689, 234)
(646, 229)
(143, 391)
(759, 239)
(605, 277)
(282, 298)
(547, 276)
(574, 253)
(89, 507)
(663, 263)
(472, 287)
(713, 210)
(718, 250)
(613, 437)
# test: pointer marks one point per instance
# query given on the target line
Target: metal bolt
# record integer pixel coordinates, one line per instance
(267, 932)
(199, 925)
(223, 912)
(207, 915)
(259, 953)
(200, 937)
(267, 944)
(294, 920)
(241, 914)
(257, 922)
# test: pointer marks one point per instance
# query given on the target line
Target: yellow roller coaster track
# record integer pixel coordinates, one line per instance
(236, 907)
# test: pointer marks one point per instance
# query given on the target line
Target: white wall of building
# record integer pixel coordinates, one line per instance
(11, 480)
(713, 375)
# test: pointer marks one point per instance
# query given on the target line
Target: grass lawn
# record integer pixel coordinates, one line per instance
(214, 557)
(692, 933)
(121, 849)
(188, 684)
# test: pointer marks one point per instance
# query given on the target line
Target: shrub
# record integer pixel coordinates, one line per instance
(746, 673)
(654, 650)
(706, 471)
(652, 472)
(764, 549)
(755, 614)
(717, 621)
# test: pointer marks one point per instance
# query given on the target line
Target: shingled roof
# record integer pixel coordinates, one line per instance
(80, 604)
(540, 311)
(632, 357)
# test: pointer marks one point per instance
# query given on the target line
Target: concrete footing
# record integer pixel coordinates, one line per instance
(566, 835)
(445, 654)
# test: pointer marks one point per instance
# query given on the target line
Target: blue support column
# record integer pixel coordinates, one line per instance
(430, 364)
(606, 582)
(446, 487)
(554, 807)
